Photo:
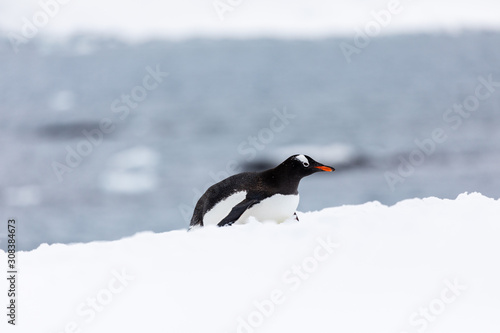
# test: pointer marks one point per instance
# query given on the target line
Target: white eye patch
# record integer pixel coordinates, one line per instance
(302, 159)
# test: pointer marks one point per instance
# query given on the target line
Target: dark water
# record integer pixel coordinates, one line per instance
(235, 105)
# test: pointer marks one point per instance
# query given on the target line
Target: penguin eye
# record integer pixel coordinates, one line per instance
(305, 164)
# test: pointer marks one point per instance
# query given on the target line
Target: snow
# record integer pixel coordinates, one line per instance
(422, 265)
(134, 20)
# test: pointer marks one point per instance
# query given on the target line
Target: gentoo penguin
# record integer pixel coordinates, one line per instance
(268, 195)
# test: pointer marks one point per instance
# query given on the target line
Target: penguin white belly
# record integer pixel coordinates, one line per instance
(222, 208)
(278, 207)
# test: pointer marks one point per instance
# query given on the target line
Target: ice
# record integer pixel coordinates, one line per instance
(131, 171)
(28, 195)
(63, 100)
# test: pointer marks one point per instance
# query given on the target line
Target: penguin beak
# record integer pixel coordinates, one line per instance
(325, 168)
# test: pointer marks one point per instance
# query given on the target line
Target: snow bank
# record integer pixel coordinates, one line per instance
(236, 18)
(422, 265)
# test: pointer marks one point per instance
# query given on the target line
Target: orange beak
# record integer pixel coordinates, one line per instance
(325, 168)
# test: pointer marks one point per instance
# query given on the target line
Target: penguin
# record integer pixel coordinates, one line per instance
(267, 195)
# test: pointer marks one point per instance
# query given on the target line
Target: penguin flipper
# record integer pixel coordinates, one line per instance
(237, 211)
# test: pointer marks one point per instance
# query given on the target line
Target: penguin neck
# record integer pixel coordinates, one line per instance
(283, 179)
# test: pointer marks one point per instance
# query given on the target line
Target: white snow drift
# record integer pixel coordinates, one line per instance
(142, 20)
(422, 265)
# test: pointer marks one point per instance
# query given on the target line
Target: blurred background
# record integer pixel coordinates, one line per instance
(116, 116)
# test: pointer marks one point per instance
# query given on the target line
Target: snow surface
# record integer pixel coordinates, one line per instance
(365, 268)
(172, 19)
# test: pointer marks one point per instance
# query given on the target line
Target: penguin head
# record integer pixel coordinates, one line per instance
(302, 165)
